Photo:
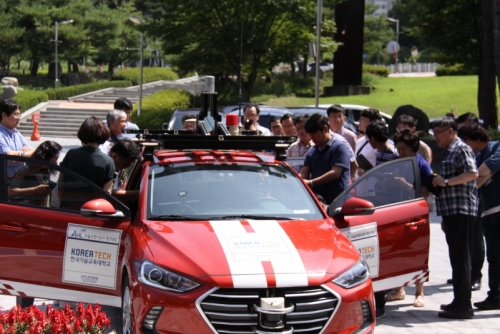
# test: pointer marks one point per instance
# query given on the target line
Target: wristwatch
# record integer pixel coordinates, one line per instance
(446, 182)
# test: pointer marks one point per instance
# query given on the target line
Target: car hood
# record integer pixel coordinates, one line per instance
(251, 253)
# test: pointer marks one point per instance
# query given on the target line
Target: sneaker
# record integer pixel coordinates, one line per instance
(453, 313)
(380, 313)
(490, 303)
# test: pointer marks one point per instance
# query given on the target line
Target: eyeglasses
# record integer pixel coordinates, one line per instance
(439, 132)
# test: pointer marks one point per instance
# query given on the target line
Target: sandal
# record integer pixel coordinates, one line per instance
(394, 295)
(419, 301)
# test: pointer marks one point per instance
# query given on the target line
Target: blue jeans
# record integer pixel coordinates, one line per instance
(491, 230)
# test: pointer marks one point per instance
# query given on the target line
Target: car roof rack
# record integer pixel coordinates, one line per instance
(186, 140)
(217, 139)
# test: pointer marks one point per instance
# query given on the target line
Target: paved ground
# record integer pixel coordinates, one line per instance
(401, 316)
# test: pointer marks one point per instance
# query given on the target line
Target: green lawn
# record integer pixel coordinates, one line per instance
(434, 95)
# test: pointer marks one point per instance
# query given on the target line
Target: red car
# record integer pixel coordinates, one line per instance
(219, 241)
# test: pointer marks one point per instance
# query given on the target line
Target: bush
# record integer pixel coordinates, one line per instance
(494, 134)
(157, 108)
(149, 74)
(27, 99)
(457, 69)
(377, 70)
(65, 92)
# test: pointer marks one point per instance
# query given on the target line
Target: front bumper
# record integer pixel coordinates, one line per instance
(320, 309)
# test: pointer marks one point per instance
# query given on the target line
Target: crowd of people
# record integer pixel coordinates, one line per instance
(334, 156)
(464, 186)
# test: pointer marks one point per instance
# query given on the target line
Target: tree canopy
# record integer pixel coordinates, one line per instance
(208, 36)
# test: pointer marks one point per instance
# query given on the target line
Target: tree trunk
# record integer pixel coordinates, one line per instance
(496, 48)
(73, 68)
(486, 95)
(34, 68)
(304, 67)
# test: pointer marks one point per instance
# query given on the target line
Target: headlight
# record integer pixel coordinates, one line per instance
(158, 277)
(354, 276)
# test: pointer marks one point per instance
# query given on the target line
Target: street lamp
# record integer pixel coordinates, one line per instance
(390, 19)
(319, 16)
(137, 20)
(55, 40)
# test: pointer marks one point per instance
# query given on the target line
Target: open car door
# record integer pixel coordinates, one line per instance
(385, 216)
(62, 245)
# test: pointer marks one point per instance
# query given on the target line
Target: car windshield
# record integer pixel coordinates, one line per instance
(234, 191)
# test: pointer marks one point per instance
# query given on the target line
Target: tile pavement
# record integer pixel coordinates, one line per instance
(401, 316)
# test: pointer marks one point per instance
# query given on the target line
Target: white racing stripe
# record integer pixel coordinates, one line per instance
(289, 271)
(59, 294)
(246, 251)
(245, 274)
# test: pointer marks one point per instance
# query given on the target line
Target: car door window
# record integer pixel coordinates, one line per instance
(42, 184)
(393, 182)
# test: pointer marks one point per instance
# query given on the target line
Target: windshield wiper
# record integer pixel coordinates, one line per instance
(250, 217)
(173, 217)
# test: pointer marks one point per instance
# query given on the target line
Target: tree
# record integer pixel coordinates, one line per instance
(205, 36)
(376, 35)
(460, 30)
(10, 34)
(110, 34)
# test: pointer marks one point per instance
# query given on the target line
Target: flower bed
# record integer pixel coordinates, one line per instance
(31, 320)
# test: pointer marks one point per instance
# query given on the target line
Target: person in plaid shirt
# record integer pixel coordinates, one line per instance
(457, 203)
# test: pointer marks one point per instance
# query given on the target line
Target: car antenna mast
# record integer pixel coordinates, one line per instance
(241, 69)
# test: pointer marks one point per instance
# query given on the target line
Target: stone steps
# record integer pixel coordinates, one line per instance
(60, 122)
(64, 122)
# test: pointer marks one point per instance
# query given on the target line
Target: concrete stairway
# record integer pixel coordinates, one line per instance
(63, 118)
(60, 121)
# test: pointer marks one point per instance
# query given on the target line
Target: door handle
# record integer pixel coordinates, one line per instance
(13, 228)
(414, 225)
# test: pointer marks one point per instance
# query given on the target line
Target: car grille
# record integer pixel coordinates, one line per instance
(231, 310)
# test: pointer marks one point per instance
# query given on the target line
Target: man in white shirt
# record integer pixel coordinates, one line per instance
(363, 147)
(252, 113)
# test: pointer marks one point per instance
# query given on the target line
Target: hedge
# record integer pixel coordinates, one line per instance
(157, 108)
(378, 70)
(30, 98)
(149, 74)
(66, 92)
(27, 99)
(457, 69)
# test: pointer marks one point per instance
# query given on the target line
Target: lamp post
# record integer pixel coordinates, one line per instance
(390, 19)
(55, 40)
(137, 20)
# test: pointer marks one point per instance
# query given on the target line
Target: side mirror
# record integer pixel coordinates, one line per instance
(355, 207)
(100, 208)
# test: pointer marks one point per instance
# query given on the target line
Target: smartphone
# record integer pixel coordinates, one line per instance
(52, 184)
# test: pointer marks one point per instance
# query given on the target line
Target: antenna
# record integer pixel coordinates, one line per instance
(241, 69)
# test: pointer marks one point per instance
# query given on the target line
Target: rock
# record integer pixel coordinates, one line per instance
(8, 92)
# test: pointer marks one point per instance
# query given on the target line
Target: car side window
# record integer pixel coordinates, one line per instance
(388, 184)
(42, 184)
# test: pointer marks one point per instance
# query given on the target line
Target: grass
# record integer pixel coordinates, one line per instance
(434, 95)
